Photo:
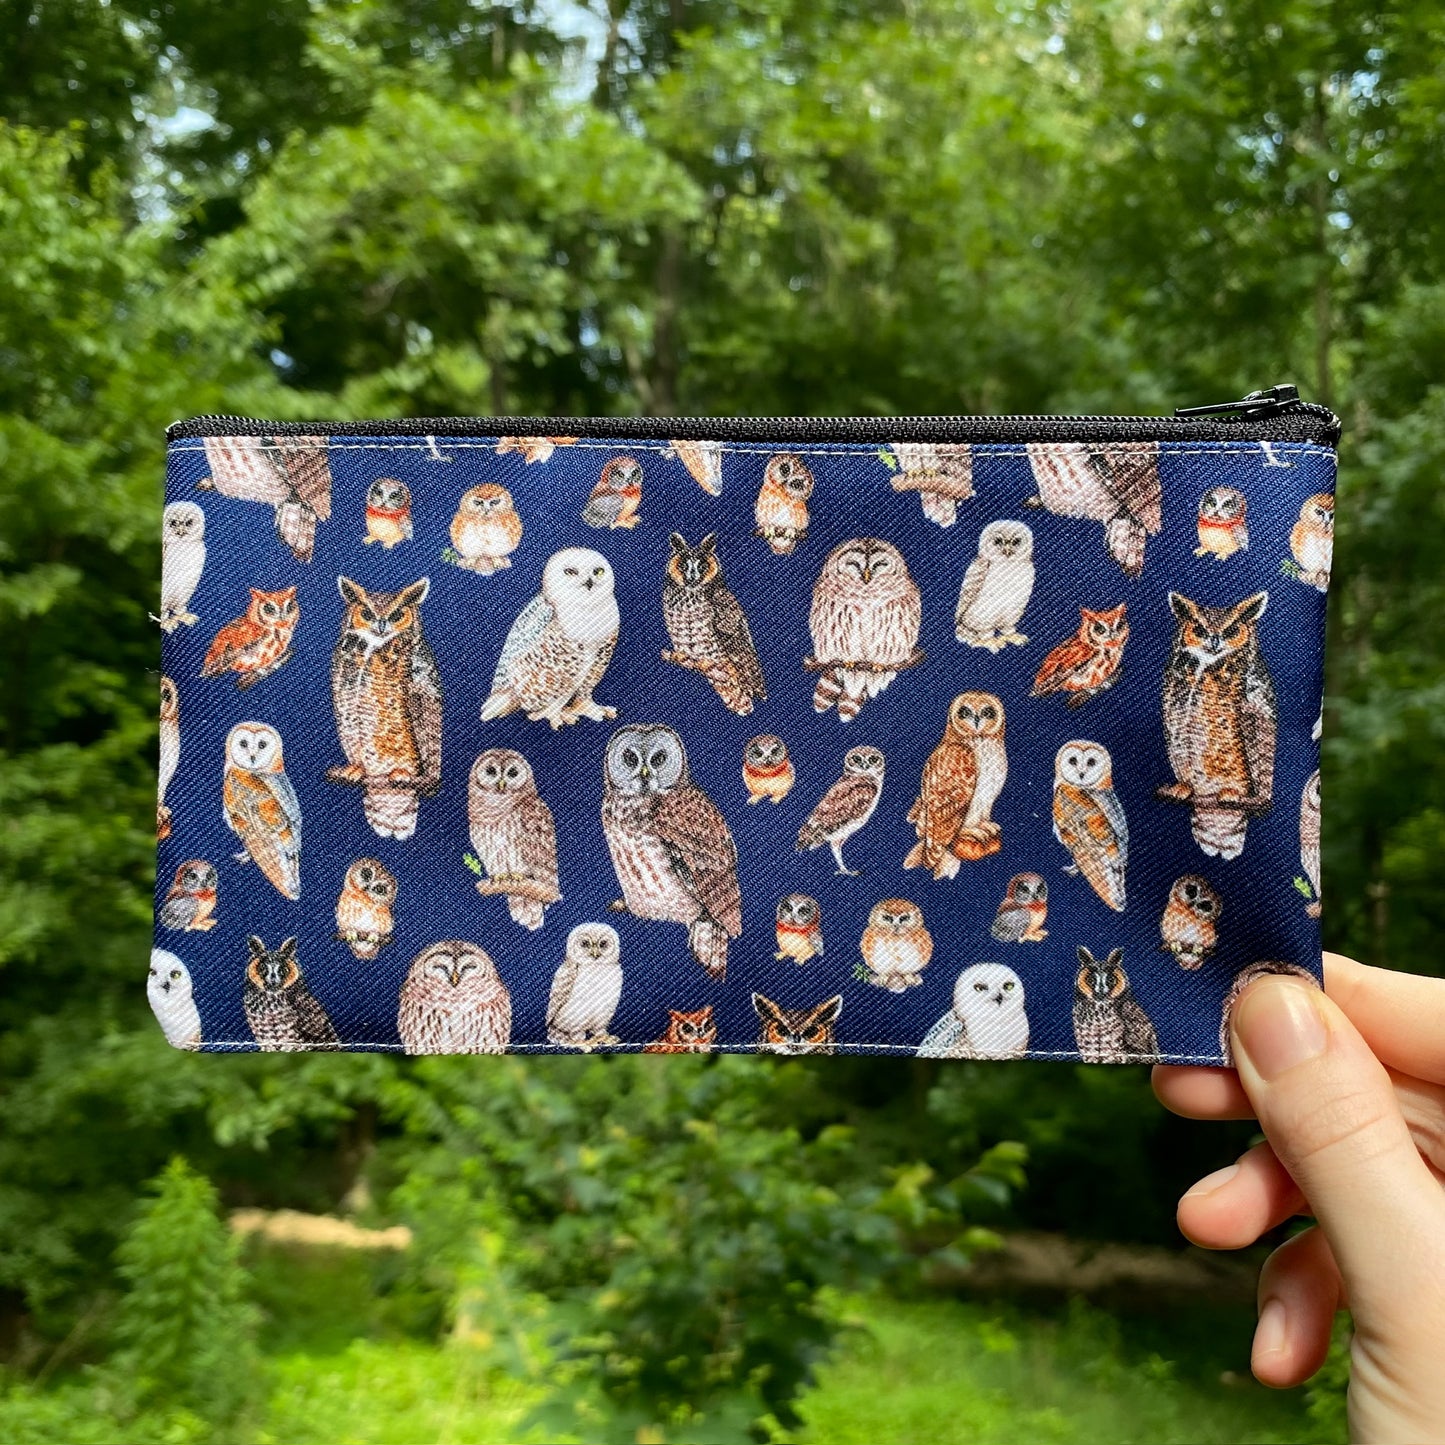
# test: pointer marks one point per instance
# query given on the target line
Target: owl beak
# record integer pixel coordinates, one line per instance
(589, 583)
(455, 977)
(867, 574)
(644, 772)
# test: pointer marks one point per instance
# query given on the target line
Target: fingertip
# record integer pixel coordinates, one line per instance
(1299, 1293)
(1201, 1093)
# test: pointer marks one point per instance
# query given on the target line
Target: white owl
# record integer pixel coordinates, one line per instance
(560, 645)
(586, 989)
(997, 587)
(987, 1019)
(170, 753)
(169, 990)
(183, 559)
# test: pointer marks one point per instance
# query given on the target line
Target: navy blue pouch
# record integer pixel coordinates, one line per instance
(953, 737)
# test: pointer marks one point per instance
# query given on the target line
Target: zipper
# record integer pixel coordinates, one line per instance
(1275, 413)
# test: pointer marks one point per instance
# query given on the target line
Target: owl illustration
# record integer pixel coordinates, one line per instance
(533, 449)
(767, 768)
(896, 945)
(1242, 981)
(172, 1000)
(865, 619)
(290, 474)
(1110, 1026)
(514, 836)
(686, 1033)
(363, 907)
(940, 472)
(258, 644)
(703, 461)
(1223, 530)
(996, 588)
(707, 625)
(170, 754)
(1312, 540)
(388, 513)
(190, 902)
(617, 496)
(1309, 839)
(183, 559)
(1190, 925)
(796, 1030)
(799, 928)
(1220, 720)
(260, 805)
(453, 1001)
(1116, 483)
(986, 1019)
(846, 806)
(586, 989)
(671, 848)
(283, 1014)
(1021, 915)
(964, 774)
(560, 644)
(1086, 664)
(781, 511)
(486, 529)
(1089, 818)
(386, 693)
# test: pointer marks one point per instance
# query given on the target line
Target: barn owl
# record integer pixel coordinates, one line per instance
(260, 805)
(1089, 818)
(986, 1020)
(846, 807)
(940, 472)
(896, 945)
(1312, 540)
(1116, 483)
(172, 1000)
(586, 989)
(996, 588)
(964, 774)
(486, 529)
(183, 559)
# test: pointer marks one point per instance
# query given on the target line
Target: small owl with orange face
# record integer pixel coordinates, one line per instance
(896, 945)
(617, 496)
(258, 644)
(693, 1032)
(781, 512)
(486, 529)
(767, 769)
(799, 928)
(363, 909)
(1190, 925)
(1087, 663)
(1312, 540)
(1223, 530)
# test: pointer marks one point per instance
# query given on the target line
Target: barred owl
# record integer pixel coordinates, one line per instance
(453, 1001)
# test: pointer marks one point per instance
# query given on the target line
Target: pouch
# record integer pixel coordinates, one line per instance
(940, 736)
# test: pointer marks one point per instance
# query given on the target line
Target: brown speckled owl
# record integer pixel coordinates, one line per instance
(781, 511)
(1110, 1027)
(1190, 925)
(964, 774)
(514, 835)
(363, 907)
(453, 1001)
(707, 626)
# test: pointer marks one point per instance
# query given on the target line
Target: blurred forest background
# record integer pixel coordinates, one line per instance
(347, 208)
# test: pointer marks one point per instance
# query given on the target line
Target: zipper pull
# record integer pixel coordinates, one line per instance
(1270, 402)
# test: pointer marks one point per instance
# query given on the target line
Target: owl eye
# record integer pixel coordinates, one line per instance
(175, 973)
(368, 616)
(988, 714)
(491, 771)
(1009, 986)
(599, 571)
(658, 758)
(261, 744)
(1234, 632)
(569, 571)
(980, 988)
(513, 773)
(688, 1031)
(152, 973)
(631, 759)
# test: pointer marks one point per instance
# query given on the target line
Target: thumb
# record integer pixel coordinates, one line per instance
(1329, 1110)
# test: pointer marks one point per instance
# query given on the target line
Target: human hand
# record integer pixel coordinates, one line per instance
(1349, 1089)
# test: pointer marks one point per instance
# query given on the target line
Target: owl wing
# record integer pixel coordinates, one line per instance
(263, 811)
(603, 507)
(537, 842)
(527, 633)
(846, 800)
(701, 849)
(1086, 822)
(973, 581)
(308, 470)
(313, 1024)
(1010, 923)
(1259, 724)
(943, 1040)
(736, 640)
(1060, 665)
(563, 982)
(1139, 1036)
(950, 777)
(424, 706)
(246, 468)
(1130, 474)
(230, 644)
(178, 911)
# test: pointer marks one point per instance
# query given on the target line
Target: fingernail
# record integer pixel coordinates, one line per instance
(1214, 1181)
(1278, 1025)
(1270, 1332)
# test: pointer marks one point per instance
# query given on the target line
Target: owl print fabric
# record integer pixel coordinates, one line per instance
(473, 744)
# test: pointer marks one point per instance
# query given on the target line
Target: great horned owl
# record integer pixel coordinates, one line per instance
(707, 626)
(996, 588)
(172, 1000)
(964, 774)
(364, 920)
(283, 1014)
(560, 644)
(1089, 818)
(290, 474)
(1116, 483)
(453, 1001)
(797, 1030)
(261, 807)
(847, 806)
(1110, 1027)
(986, 1020)
(586, 989)
(671, 847)
(183, 559)
(514, 836)
(896, 945)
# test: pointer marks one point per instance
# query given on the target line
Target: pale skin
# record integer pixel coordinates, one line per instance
(1349, 1089)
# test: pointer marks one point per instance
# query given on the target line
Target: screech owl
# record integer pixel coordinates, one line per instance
(671, 847)
(261, 807)
(1312, 540)
(453, 1001)
(781, 511)
(797, 1030)
(767, 768)
(1089, 818)
(514, 835)
(940, 472)
(686, 1033)
(1222, 525)
(996, 588)
(703, 461)
(865, 619)
(986, 1020)
(560, 644)
(386, 693)
(283, 1014)
(896, 945)
(1309, 839)
(1190, 925)
(1220, 720)
(1088, 663)
(363, 907)
(170, 754)
(586, 989)
(798, 923)
(707, 626)
(1110, 1027)
(290, 474)
(964, 774)
(1020, 917)
(617, 496)
(172, 1000)
(486, 529)
(846, 807)
(183, 559)
(257, 644)
(191, 902)
(1116, 483)
(388, 513)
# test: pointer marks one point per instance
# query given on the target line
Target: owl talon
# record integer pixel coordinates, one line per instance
(348, 773)
(1175, 792)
